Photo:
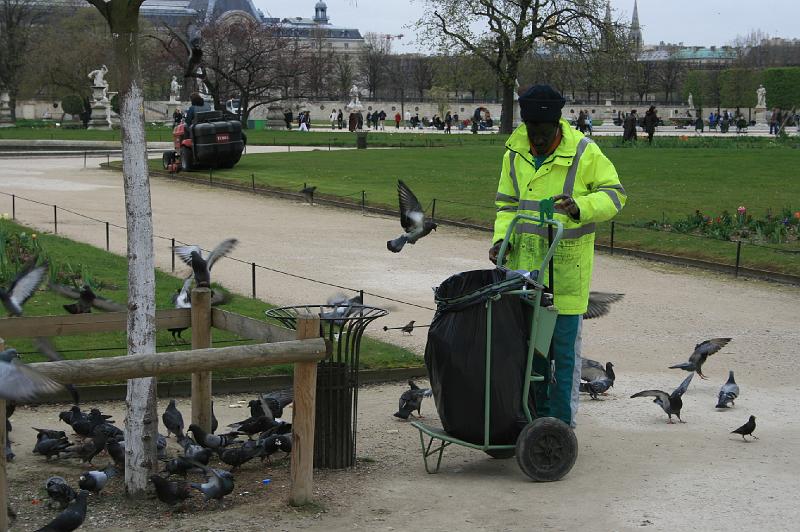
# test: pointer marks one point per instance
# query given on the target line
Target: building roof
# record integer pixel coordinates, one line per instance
(698, 53)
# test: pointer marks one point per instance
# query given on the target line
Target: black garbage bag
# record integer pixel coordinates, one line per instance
(455, 356)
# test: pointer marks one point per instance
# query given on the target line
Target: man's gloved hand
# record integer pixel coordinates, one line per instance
(495, 249)
(566, 203)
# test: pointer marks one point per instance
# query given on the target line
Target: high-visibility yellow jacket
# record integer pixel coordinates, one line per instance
(578, 168)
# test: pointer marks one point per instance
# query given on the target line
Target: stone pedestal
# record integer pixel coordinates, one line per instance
(275, 119)
(5, 110)
(761, 116)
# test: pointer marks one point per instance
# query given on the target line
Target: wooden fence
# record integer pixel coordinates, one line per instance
(302, 347)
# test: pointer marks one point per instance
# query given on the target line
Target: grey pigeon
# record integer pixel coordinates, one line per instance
(193, 256)
(71, 518)
(46, 347)
(173, 420)
(22, 287)
(412, 400)
(412, 218)
(597, 386)
(670, 403)
(701, 352)
(308, 193)
(59, 491)
(218, 483)
(592, 369)
(273, 443)
(179, 465)
(183, 299)
(600, 304)
(86, 300)
(48, 446)
(169, 491)
(341, 307)
(21, 383)
(211, 441)
(276, 401)
(747, 429)
(95, 481)
(194, 452)
(728, 393)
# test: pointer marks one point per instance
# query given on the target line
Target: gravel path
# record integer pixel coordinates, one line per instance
(633, 471)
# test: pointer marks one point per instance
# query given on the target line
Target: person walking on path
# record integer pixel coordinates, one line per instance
(340, 118)
(382, 120)
(546, 158)
(629, 127)
(333, 118)
(448, 122)
(408, 119)
(397, 119)
(650, 123)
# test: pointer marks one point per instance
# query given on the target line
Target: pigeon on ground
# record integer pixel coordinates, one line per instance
(161, 446)
(728, 393)
(71, 518)
(74, 413)
(116, 450)
(254, 425)
(170, 491)
(671, 403)
(412, 400)
(89, 449)
(194, 452)
(86, 299)
(95, 481)
(212, 441)
(276, 401)
(412, 218)
(592, 369)
(173, 420)
(218, 483)
(596, 387)
(59, 491)
(236, 456)
(193, 256)
(50, 446)
(308, 193)
(49, 433)
(747, 429)
(701, 352)
(600, 304)
(22, 287)
(21, 383)
(275, 442)
(179, 465)
(408, 327)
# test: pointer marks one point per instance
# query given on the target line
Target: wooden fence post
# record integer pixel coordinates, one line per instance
(3, 477)
(201, 338)
(305, 396)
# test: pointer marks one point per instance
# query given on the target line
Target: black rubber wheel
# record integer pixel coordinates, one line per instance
(501, 454)
(546, 449)
(186, 159)
(167, 158)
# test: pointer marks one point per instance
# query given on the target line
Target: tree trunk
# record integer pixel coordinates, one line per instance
(141, 420)
(507, 113)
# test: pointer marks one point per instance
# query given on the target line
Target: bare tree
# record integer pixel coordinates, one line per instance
(319, 63)
(374, 61)
(399, 76)
(514, 27)
(422, 73)
(17, 20)
(669, 73)
(343, 74)
(141, 418)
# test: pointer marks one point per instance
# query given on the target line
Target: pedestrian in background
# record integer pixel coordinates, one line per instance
(650, 123)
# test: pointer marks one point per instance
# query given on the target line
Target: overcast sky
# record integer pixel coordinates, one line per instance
(693, 22)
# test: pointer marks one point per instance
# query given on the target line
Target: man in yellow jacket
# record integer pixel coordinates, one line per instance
(546, 158)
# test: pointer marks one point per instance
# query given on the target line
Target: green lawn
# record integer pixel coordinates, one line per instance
(111, 271)
(671, 180)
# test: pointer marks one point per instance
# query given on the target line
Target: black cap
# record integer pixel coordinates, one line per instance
(541, 103)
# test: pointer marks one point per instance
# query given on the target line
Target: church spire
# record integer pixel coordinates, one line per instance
(636, 30)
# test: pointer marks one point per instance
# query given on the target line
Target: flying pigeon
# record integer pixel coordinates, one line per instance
(46, 347)
(701, 352)
(747, 429)
(308, 193)
(412, 218)
(412, 400)
(22, 287)
(86, 299)
(71, 518)
(183, 299)
(193, 256)
(728, 393)
(21, 383)
(600, 304)
(670, 403)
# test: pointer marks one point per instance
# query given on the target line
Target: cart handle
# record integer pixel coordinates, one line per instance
(541, 221)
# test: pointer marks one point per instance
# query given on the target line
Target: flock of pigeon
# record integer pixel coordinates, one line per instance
(95, 434)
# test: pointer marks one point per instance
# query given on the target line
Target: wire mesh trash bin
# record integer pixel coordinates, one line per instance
(337, 377)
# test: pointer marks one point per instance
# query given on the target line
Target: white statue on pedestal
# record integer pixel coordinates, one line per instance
(691, 101)
(355, 104)
(761, 93)
(174, 90)
(99, 82)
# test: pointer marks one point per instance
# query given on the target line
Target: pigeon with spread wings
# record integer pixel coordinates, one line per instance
(670, 403)
(702, 351)
(193, 256)
(86, 299)
(412, 218)
(22, 287)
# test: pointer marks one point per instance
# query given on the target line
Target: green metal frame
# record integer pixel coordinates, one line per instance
(542, 325)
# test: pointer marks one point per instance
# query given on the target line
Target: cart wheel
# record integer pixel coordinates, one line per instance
(501, 454)
(186, 159)
(546, 449)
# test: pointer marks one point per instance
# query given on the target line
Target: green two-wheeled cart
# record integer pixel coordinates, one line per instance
(546, 448)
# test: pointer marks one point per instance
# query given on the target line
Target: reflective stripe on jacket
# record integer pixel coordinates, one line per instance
(577, 168)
